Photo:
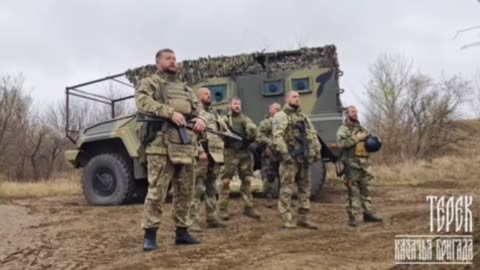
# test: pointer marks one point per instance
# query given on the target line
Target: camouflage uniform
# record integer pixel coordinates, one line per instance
(270, 162)
(168, 160)
(355, 158)
(238, 158)
(286, 139)
(207, 171)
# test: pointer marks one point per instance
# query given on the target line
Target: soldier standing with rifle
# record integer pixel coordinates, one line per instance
(295, 139)
(270, 162)
(169, 157)
(209, 165)
(351, 141)
(238, 157)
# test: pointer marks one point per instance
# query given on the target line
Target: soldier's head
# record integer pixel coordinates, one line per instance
(166, 61)
(274, 108)
(235, 105)
(293, 99)
(351, 113)
(204, 96)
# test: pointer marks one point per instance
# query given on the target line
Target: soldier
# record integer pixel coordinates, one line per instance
(350, 140)
(238, 157)
(270, 162)
(163, 95)
(209, 165)
(295, 139)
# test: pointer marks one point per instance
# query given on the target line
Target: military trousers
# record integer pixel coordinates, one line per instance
(241, 161)
(358, 178)
(162, 172)
(270, 168)
(290, 174)
(206, 173)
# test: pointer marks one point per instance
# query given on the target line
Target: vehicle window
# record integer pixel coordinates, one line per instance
(301, 85)
(273, 88)
(219, 93)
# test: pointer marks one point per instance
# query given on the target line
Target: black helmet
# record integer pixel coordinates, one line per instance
(372, 144)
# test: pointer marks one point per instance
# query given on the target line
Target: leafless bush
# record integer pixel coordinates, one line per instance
(414, 114)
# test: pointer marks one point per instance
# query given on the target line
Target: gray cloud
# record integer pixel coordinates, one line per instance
(57, 43)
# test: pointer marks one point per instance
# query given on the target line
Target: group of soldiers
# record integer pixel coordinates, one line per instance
(193, 167)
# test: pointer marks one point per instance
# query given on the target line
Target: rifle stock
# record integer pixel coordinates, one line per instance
(182, 131)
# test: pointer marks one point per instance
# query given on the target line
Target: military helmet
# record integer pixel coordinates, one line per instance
(372, 144)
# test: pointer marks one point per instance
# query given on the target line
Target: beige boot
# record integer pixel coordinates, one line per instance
(287, 222)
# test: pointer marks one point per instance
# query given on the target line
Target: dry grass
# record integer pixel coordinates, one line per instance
(68, 185)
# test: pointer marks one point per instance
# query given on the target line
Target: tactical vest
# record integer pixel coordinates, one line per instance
(214, 143)
(178, 96)
(357, 151)
(238, 125)
(293, 135)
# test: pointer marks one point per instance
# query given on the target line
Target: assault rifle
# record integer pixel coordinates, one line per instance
(155, 123)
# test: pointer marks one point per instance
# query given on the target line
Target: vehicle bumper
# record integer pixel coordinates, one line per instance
(71, 157)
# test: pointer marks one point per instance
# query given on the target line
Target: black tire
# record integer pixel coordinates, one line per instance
(319, 173)
(108, 180)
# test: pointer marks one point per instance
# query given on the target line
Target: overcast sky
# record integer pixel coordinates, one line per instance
(60, 43)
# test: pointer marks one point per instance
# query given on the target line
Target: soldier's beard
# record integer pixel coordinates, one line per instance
(295, 106)
(207, 103)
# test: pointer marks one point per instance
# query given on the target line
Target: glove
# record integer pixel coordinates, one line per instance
(360, 136)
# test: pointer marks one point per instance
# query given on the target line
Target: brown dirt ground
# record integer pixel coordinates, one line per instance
(65, 233)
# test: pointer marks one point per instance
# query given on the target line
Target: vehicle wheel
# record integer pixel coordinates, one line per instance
(108, 180)
(319, 173)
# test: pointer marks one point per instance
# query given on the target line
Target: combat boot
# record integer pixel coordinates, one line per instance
(223, 214)
(250, 212)
(195, 227)
(351, 221)
(371, 218)
(150, 240)
(304, 220)
(215, 223)
(183, 237)
(287, 222)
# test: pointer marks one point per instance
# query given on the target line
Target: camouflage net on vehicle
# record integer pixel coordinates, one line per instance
(194, 71)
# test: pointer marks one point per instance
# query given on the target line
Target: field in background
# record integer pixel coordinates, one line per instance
(69, 184)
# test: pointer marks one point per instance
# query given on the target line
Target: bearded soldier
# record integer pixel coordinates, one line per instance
(270, 162)
(295, 139)
(351, 141)
(239, 158)
(209, 165)
(169, 159)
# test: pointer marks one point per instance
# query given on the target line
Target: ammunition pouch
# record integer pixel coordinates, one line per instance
(361, 150)
(181, 106)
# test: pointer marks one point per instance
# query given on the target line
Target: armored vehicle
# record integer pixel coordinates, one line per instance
(108, 151)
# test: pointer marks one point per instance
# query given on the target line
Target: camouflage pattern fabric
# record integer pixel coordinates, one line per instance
(358, 173)
(194, 71)
(238, 158)
(160, 172)
(168, 159)
(206, 174)
(241, 161)
(292, 170)
(270, 163)
(208, 170)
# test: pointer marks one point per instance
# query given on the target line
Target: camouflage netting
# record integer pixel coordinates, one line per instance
(194, 71)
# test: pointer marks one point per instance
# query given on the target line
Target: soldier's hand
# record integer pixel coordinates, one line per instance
(199, 125)
(203, 156)
(179, 119)
(360, 136)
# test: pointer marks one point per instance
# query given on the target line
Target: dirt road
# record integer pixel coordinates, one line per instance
(65, 233)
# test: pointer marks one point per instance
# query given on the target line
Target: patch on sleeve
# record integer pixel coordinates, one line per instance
(276, 123)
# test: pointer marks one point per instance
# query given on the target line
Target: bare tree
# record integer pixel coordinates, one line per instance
(413, 113)
(385, 93)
